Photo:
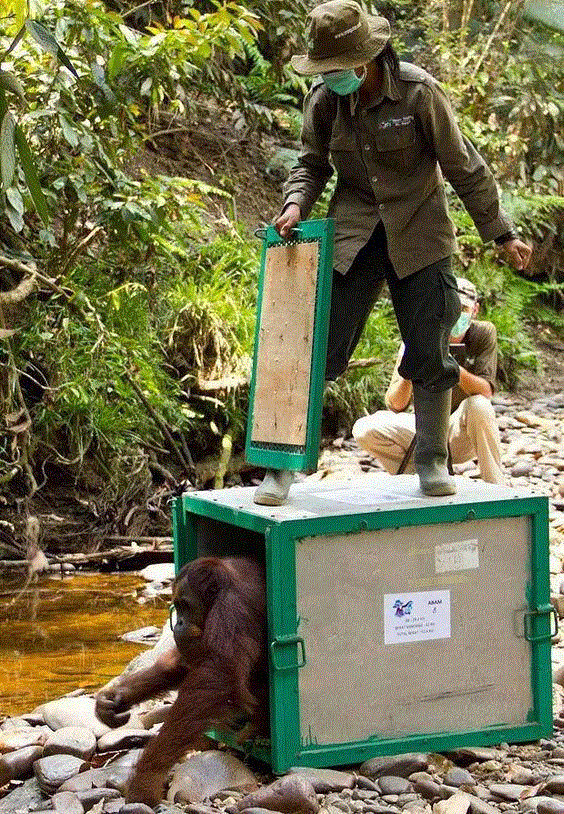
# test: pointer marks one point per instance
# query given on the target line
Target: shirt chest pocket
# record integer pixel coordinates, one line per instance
(396, 144)
(343, 149)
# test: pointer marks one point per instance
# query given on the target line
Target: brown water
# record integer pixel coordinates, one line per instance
(63, 634)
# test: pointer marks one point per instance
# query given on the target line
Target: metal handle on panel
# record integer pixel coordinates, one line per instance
(542, 610)
(281, 641)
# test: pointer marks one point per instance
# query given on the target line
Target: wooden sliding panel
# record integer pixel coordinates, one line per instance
(285, 344)
(290, 347)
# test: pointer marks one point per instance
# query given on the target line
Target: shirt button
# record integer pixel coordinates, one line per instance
(367, 146)
(374, 180)
(380, 206)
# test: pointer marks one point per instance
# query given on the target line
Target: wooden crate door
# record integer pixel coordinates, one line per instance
(285, 344)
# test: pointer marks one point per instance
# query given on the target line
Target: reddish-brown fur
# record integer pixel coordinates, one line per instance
(218, 665)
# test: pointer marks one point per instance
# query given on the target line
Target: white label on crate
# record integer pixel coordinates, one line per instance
(416, 617)
(457, 556)
(365, 497)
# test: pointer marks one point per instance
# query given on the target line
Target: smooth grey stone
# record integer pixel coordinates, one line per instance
(117, 777)
(73, 711)
(66, 802)
(90, 797)
(290, 793)
(532, 803)
(84, 780)
(555, 784)
(114, 806)
(158, 572)
(521, 469)
(207, 773)
(324, 780)
(446, 791)
(123, 738)
(335, 802)
(143, 635)
(478, 806)
(14, 723)
(381, 809)
(366, 783)
(54, 770)
(396, 765)
(136, 808)
(458, 777)
(508, 791)
(34, 718)
(128, 760)
(18, 765)
(199, 809)
(71, 740)
(427, 788)
(390, 798)
(14, 739)
(553, 807)
(471, 754)
(256, 810)
(392, 784)
(407, 798)
(28, 796)
(365, 794)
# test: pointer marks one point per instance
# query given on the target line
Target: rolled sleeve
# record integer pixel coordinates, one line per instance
(310, 174)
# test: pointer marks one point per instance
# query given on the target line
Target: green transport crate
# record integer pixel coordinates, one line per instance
(396, 622)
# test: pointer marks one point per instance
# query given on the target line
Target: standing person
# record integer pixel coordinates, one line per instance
(473, 432)
(392, 137)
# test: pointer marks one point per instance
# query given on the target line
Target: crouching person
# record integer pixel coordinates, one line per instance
(389, 434)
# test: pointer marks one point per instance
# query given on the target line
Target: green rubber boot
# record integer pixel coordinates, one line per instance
(273, 491)
(432, 412)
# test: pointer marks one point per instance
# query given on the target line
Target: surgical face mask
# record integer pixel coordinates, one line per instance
(343, 82)
(462, 324)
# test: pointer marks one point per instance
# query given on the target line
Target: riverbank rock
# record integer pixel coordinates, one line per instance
(207, 773)
(71, 740)
(290, 794)
(73, 712)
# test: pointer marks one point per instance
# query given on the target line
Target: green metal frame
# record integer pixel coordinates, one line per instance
(288, 746)
(286, 456)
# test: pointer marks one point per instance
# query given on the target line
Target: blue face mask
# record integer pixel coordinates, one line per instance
(461, 325)
(343, 82)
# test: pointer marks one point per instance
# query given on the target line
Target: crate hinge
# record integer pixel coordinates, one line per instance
(540, 610)
(282, 641)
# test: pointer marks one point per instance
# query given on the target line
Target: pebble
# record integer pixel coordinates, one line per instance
(458, 777)
(324, 780)
(75, 711)
(396, 765)
(206, 773)
(51, 772)
(389, 784)
(71, 740)
(18, 765)
(65, 802)
(288, 794)
(508, 791)
(123, 738)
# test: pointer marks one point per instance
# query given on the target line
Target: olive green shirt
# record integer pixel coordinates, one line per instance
(480, 341)
(392, 158)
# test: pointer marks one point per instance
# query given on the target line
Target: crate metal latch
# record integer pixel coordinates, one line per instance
(282, 641)
(541, 610)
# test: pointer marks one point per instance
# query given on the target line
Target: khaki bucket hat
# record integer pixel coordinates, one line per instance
(340, 36)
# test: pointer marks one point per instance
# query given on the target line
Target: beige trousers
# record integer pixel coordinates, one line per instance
(473, 433)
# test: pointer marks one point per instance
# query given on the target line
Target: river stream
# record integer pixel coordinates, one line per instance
(63, 633)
